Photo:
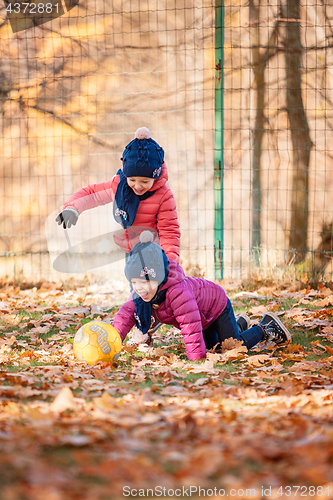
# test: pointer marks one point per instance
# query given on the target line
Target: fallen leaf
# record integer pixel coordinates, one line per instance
(294, 348)
(201, 381)
(233, 354)
(328, 330)
(106, 401)
(230, 343)
(207, 366)
(4, 308)
(258, 359)
(325, 302)
(329, 349)
(258, 310)
(63, 401)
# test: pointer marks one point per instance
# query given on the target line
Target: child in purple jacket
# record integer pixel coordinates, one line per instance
(198, 307)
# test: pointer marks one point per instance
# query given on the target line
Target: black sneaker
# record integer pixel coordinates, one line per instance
(274, 330)
(243, 322)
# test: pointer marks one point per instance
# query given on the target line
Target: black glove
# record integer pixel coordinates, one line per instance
(67, 218)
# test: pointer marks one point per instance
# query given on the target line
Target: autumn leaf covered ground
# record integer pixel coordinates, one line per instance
(253, 424)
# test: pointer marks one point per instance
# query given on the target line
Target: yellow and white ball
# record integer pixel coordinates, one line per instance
(97, 341)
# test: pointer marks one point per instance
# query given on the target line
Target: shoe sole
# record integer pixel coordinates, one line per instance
(281, 325)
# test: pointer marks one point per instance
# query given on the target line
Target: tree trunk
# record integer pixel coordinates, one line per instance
(258, 65)
(299, 129)
(324, 252)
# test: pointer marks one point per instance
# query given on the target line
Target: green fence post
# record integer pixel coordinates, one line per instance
(218, 148)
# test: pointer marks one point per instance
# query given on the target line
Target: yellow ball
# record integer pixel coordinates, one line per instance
(97, 341)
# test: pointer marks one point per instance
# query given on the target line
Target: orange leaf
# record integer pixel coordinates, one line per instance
(27, 354)
(329, 349)
(233, 354)
(230, 343)
(245, 381)
(258, 360)
(291, 356)
(294, 347)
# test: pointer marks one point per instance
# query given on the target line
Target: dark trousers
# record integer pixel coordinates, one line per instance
(225, 326)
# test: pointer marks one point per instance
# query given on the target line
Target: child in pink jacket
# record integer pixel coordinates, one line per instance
(139, 194)
(198, 307)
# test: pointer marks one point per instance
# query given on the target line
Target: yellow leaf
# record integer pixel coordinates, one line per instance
(258, 360)
(233, 354)
(106, 401)
(230, 343)
(294, 347)
(207, 366)
(258, 310)
(63, 401)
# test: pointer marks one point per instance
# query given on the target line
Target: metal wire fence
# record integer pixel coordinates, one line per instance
(75, 90)
(255, 77)
(278, 135)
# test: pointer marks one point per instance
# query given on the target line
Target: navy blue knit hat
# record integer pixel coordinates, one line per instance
(143, 157)
(147, 260)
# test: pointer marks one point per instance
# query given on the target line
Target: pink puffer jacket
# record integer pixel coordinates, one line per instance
(159, 211)
(191, 304)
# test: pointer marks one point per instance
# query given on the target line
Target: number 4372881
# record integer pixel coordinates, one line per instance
(303, 491)
(31, 8)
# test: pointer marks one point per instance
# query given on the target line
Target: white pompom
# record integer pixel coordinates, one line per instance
(146, 236)
(142, 133)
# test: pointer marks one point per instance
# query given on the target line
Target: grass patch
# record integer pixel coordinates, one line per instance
(309, 307)
(88, 478)
(10, 328)
(193, 377)
(33, 362)
(113, 309)
(60, 455)
(147, 383)
(253, 466)
(31, 314)
(303, 338)
(287, 304)
(287, 363)
(229, 367)
(9, 367)
(84, 321)
(317, 357)
(49, 334)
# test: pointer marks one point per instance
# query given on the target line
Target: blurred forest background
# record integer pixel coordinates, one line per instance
(74, 90)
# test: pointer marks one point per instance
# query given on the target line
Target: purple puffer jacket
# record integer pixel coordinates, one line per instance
(191, 304)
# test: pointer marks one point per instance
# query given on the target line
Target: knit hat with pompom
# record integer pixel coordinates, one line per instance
(143, 157)
(147, 260)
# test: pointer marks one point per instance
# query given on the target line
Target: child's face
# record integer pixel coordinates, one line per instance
(140, 185)
(146, 289)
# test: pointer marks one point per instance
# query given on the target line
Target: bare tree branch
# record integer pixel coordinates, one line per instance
(67, 122)
(75, 40)
(4, 22)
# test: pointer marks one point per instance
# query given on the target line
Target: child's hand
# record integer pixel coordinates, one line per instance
(67, 218)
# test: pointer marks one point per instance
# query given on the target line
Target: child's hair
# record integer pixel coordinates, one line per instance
(143, 157)
(147, 260)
